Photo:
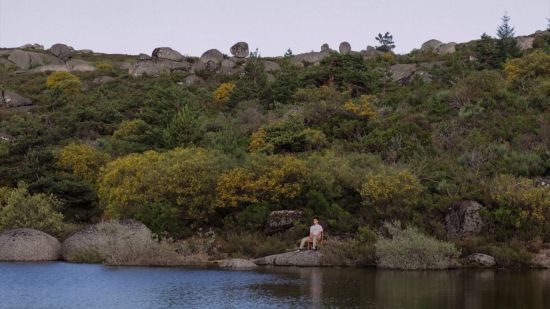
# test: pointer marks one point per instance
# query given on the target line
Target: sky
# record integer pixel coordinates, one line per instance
(192, 27)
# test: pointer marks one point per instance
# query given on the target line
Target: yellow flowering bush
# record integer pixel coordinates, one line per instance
(529, 66)
(266, 180)
(65, 81)
(223, 92)
(83, 160)
(362, 107)
(391, 193)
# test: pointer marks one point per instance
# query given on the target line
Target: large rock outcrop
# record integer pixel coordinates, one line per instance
(525, 42)
(10, 98)
(240, 50)
(295, 258)
(403, 71)
(464, 219)
(28, 245)
(156, 67)
(282, 220)
(101, 237)
(438, 47)
(25, 60)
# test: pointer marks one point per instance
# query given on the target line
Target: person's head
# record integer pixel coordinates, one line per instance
(315, 220)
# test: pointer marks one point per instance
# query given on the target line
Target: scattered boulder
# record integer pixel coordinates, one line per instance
(80, 66)
(402, 72)
(281, 220)
(103, 79)
(62, 51)
(240, 264)
(543, 182)
(464, 219)
(191, 80)
(34, 46)
(28, 245)
(542, 258)
(325, 47)
(344, 48)
(447, 48)
(5, 137)
(240, 50)
(311, 58)
(26, 59)
(295, 258)
(480, 260)
(213, 55)
(438, 47)
(198, 67)
(370, 53)
(144, 57)
(100, 237)
(125, 65)
(431, 45)
(271, 66)
(525, 42)
(157, 67)
(167, 53)
(12, 99)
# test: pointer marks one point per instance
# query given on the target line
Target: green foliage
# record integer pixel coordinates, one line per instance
(21, 209)
(251, 245)
(518, 208)
(410, 249)
(386, 42)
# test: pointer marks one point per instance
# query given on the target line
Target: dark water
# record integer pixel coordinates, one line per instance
(62, 285)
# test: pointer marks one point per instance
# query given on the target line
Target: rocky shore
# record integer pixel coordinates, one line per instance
(130, 243)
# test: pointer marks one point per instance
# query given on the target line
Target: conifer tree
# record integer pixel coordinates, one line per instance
(506, 43)
(386, 42)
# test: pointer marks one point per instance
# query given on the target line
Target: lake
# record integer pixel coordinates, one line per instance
(62, 285)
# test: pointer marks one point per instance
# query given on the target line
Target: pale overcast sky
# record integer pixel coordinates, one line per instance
(191, 27)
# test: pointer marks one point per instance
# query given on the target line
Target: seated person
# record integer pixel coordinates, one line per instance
(314, 234)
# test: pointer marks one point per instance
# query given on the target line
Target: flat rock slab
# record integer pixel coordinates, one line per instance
(295, 258)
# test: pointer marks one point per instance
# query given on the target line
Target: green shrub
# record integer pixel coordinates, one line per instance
(348, 253)
(411, 249)
(251, 245)
(20, 209)
(517, 207)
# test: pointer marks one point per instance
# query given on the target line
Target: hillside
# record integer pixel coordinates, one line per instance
(452, 138)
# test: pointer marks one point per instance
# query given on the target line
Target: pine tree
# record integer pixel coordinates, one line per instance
(505, 31)
(486, 51)
(506, 43)
(386, 42)
(288, 53)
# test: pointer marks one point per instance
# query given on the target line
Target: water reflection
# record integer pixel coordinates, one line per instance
(62, 285)
(369, 288)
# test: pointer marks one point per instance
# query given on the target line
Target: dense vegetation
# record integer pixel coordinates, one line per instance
(340, 140)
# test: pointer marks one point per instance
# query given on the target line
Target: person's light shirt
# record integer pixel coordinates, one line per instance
(315, 230)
